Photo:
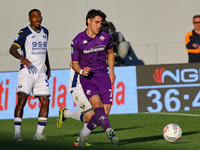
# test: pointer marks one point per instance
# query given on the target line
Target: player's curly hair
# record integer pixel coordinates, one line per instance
(93, 13)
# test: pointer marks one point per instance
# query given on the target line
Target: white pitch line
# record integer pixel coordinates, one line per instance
(178, 114)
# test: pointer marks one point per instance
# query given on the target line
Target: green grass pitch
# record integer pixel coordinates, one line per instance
(135, 131)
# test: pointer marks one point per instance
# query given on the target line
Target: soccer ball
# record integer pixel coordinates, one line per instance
(172, 132)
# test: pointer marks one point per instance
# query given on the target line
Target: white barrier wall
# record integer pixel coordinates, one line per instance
(155, 28)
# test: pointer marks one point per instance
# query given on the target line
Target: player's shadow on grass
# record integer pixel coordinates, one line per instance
(95, 132)
(150, 138)
(117, 129)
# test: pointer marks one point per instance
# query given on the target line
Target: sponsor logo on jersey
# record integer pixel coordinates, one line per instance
(84, 42)
(39, 46)
(38, 53)
(95, 49)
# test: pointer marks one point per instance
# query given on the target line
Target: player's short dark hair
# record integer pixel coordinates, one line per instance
(29, 14)
(196, 16)
(93, 13)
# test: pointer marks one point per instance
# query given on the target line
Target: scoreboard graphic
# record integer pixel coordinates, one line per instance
(168, 87)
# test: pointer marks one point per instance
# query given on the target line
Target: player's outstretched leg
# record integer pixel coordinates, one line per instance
(99, 118)
(104, 122)
(76, 142)
(60, 119)
(111, 135)
(83, 139)
(78, 138)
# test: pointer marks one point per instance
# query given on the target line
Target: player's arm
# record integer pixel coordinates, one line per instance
(76, 67)
(70, 64)
(48, 66)
(14, 52)
(111, 62)
(75, 54)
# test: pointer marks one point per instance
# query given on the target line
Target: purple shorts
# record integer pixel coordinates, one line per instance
(98, 84)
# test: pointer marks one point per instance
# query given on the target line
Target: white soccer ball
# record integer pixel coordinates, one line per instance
(172, 132)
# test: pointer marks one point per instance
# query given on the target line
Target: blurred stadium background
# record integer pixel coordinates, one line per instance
(155, 29)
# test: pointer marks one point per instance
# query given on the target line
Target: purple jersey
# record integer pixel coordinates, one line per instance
(91, 52)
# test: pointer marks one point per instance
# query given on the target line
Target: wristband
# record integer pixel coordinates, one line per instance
(81, 72)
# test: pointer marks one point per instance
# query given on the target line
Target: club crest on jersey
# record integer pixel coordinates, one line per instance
(88, 92)
(84, 42)
(102, 38)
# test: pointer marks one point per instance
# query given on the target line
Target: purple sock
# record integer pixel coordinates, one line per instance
(99, 118)
(92, 124)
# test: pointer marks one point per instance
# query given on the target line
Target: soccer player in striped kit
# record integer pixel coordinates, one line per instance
(85, 110)
(32, 76)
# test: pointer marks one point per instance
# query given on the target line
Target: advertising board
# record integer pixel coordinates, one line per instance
(124, 94)
(168, 87)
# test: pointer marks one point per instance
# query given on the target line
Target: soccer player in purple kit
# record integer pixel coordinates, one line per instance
(88, 51)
